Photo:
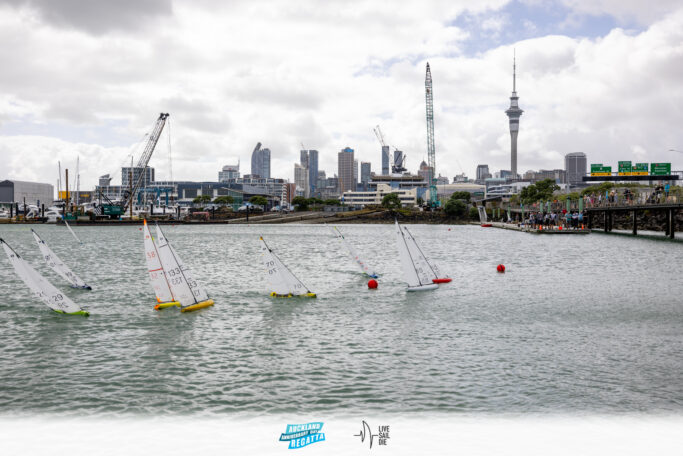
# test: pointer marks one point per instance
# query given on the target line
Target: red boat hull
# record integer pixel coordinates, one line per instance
(446, 280)
(486, 225)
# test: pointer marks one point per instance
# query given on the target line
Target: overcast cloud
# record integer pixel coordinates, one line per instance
(89, 78)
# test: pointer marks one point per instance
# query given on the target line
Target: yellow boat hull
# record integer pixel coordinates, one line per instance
(199, 305)
(164, 305)
(290, 295)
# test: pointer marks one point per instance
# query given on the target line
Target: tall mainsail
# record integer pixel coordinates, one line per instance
(362, 264)
(186, 290)
(415, 269)
(41, 288)
(281, 280)
(57, 265)
(157, 277)
(432, 269)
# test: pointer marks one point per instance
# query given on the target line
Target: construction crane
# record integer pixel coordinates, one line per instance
(143, 162)
(385, 150)
(433, 201)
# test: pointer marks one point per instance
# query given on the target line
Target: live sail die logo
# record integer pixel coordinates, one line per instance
(380, 437)
(301, 435)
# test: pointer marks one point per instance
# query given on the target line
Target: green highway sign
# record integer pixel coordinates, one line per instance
(600, 170)
(660, 169)
(640, 169)
(624, 168)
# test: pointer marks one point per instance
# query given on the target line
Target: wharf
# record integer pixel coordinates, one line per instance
(515, 227)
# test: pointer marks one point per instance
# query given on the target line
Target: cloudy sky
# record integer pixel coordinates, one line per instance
(88, 78)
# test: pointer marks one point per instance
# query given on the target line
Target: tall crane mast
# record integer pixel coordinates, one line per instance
(144, 159)
(433, 201)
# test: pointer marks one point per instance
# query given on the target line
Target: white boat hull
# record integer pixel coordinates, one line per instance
(427, 287)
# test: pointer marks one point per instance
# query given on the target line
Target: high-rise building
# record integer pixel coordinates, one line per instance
(301, 180)
(385, 161)
(147, 179)
(399, 162)
(309, 160)
(514, 113)
(345, 162)
(575, 164)
(365, 173)
(355, 174)
(229, 172)
(105, 180)
(260, 162)
(482, 173)
(424, 171)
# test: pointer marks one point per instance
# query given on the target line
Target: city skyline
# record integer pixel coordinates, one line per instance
(90, 83)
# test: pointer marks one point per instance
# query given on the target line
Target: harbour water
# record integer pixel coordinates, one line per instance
(577, 324)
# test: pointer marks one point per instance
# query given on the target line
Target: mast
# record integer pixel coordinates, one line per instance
(429, 101)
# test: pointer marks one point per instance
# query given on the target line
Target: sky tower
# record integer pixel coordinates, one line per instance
(514, 113)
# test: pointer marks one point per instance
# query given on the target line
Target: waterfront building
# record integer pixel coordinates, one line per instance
(229, 172)
(301, 180)
(374, 196)
(345, 162)
(575, 166)
(446, 190)
(365, 173)
(514, 113)
(135, 172)
(16, 191)
(260, 162)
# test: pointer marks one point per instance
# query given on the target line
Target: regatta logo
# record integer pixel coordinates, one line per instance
(301, 435)
(366, 434)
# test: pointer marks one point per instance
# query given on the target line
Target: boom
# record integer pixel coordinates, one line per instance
(145, 157)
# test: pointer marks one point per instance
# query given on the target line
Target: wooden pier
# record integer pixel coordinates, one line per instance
(554, 230)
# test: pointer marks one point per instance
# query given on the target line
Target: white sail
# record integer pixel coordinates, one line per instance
(156, 271)
(364, 267)
(44, 290)
(280, 279)
(432, 269)
(483, 218)
(72, 231)
(413, 273)
(186, 290)
(57, 265)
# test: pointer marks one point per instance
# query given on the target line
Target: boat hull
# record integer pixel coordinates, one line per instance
(82, 313)
(431, 286)
(165, 305)
(444, 280)
(290, 295)
(199, 305)
(486, 225)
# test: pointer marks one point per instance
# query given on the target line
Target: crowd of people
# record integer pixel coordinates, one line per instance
(553, 219)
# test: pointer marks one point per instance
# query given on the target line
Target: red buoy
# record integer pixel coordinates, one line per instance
(500, 268)
(372, 283)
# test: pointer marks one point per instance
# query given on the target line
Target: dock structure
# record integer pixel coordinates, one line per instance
(528, 229)
(607, 215)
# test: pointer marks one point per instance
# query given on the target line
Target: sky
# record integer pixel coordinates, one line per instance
(88, 78)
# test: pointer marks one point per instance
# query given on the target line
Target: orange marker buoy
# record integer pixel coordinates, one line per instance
(372, 284)
(500, 268)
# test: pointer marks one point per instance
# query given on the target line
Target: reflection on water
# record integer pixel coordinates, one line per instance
(577, 323)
